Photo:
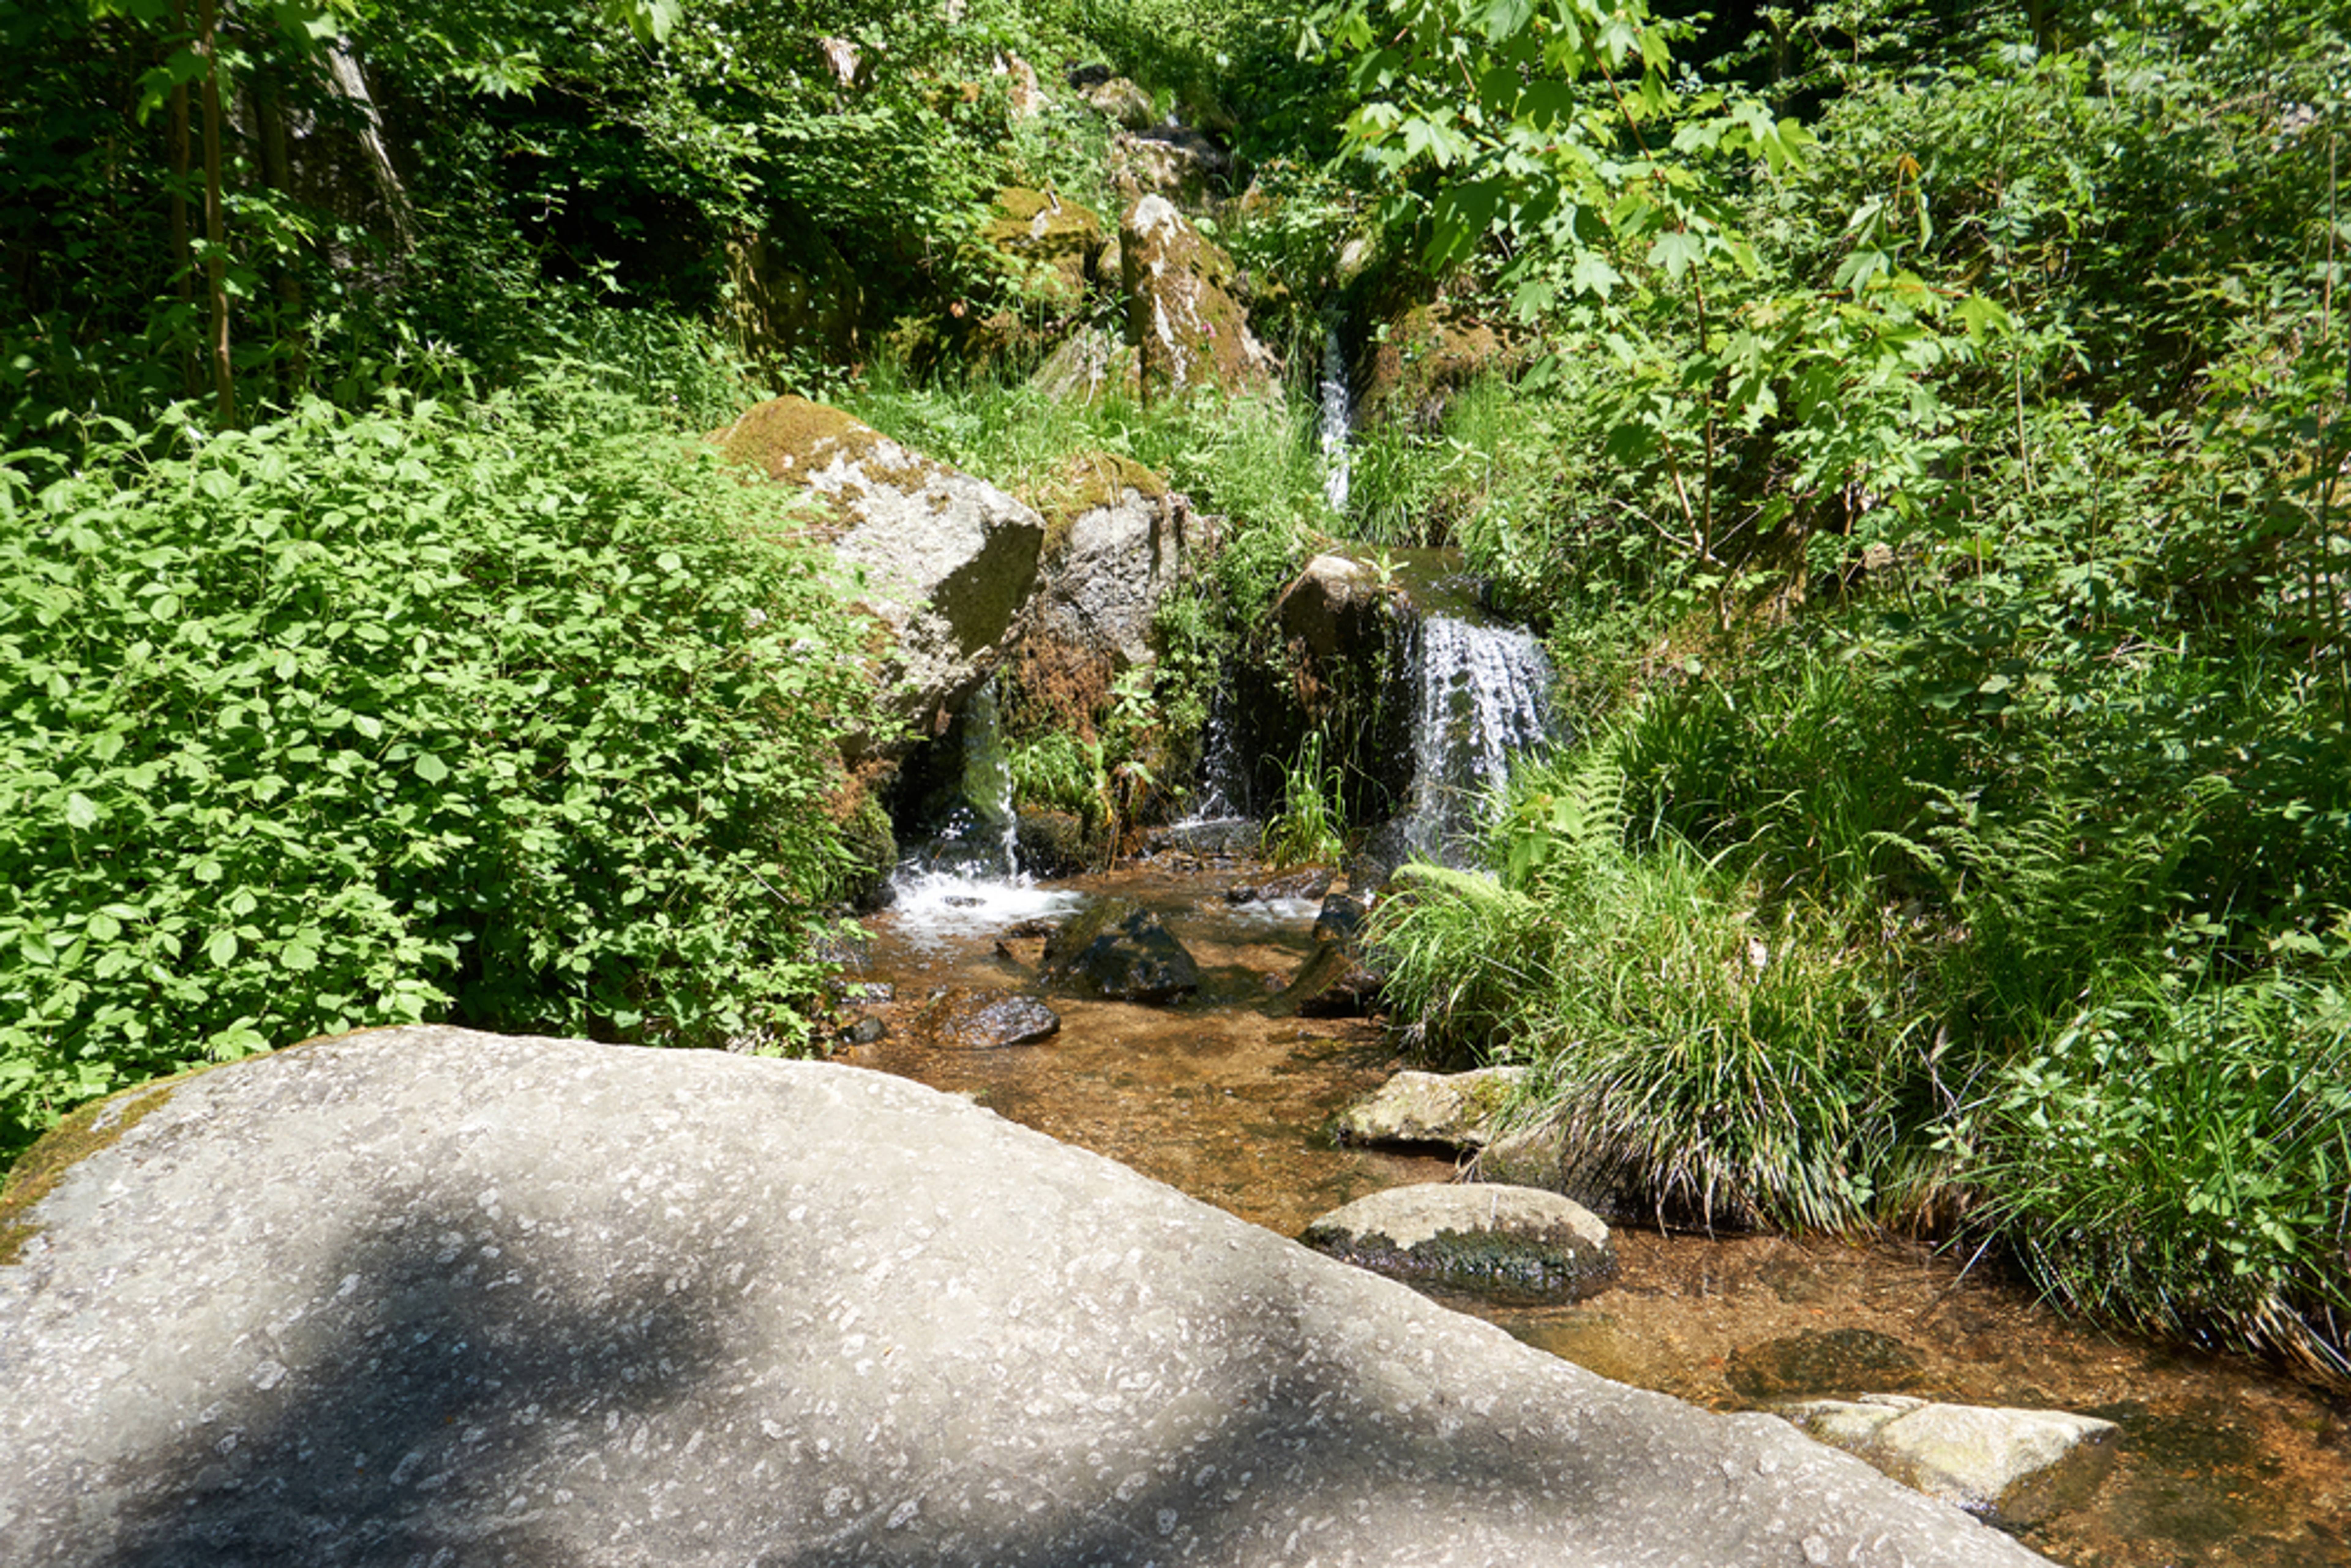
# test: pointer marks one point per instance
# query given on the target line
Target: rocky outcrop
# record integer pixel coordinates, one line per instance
(422, 1295)
(1118, 949)
(1114, 547)
(1182, 320)
(791, 292)
(1184, 166)
(1510, 1239)
(1427, 354)
(2020, 1466)
(947, 561)
(1459, 1109)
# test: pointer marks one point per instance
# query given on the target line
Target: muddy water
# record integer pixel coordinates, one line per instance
(2220, 1462)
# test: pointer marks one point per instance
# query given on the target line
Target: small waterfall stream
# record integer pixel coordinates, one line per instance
(1482, 696)
(1338, 416)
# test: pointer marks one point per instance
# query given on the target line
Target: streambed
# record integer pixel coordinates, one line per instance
(2221, 1462)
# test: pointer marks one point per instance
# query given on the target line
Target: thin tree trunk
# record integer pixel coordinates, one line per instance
(215, 235)
(277, 174)
(183, 257)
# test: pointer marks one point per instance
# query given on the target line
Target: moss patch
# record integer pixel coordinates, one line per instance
(1089, 482)
(1058, 240)
(87, 1130)
(790, 439)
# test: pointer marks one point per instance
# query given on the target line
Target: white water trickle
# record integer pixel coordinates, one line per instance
(1484, 695)
(988, 782)
(1338, 417)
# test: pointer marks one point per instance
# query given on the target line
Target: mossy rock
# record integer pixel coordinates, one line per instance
(792, 440)
(1057, 240)
(1183, 318)
(1090, 482)
(1428, 354)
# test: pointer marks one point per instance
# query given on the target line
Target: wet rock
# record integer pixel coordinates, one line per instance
(1055, 844)
(424, 1294)
(1334, 606)
(864, 1031)
(1231, 838)
(1309, 884)
(982, 1020)
(949, 561)
(1118, 949)
(1515, 1239)
(1331, 984)
(1456, 1109)
(1823, 1361)
(1341, 920)
(2020, 1466)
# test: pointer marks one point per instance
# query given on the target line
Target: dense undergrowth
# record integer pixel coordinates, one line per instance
(520, 715)
(1941, 524)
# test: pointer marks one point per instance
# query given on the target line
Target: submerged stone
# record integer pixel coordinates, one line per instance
(1826, 1361)
(426, 1295)
(1514, 1240)
(1118, 949)
(981, 1020)
(2019, 1465)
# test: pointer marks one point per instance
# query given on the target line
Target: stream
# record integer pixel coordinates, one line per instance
(2220, 1462)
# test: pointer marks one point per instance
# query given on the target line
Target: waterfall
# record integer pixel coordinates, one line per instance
(1482, 694)
(1338, 416)
(988, 784)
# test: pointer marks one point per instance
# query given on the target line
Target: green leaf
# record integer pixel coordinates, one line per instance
(81, 812)
(430, 768)
(222, 948)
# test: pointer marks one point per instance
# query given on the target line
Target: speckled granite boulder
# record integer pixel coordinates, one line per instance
(432, 1297)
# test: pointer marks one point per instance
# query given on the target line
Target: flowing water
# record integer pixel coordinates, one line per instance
(2220, 1462)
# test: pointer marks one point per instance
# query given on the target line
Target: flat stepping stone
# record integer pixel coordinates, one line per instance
(1455, 1109)
(1516, 1240)
(2019, 1467)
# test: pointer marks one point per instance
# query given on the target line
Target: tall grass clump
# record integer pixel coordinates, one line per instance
(1709, 1046)
(520, 715)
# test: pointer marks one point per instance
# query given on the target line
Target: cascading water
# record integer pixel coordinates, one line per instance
(1483, 695)
(1338, 416)
(969, 878)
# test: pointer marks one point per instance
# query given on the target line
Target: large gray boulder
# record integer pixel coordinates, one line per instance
(1114, 551)
(947, 561)
(428, 1296)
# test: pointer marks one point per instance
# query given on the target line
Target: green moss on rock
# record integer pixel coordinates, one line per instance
(93, 1127)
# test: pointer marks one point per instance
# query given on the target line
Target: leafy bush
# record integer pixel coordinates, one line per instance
(522, 717)
(2176, 1158)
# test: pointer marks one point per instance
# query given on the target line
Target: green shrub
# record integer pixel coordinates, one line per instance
(2176, 1158)
(522, 717)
